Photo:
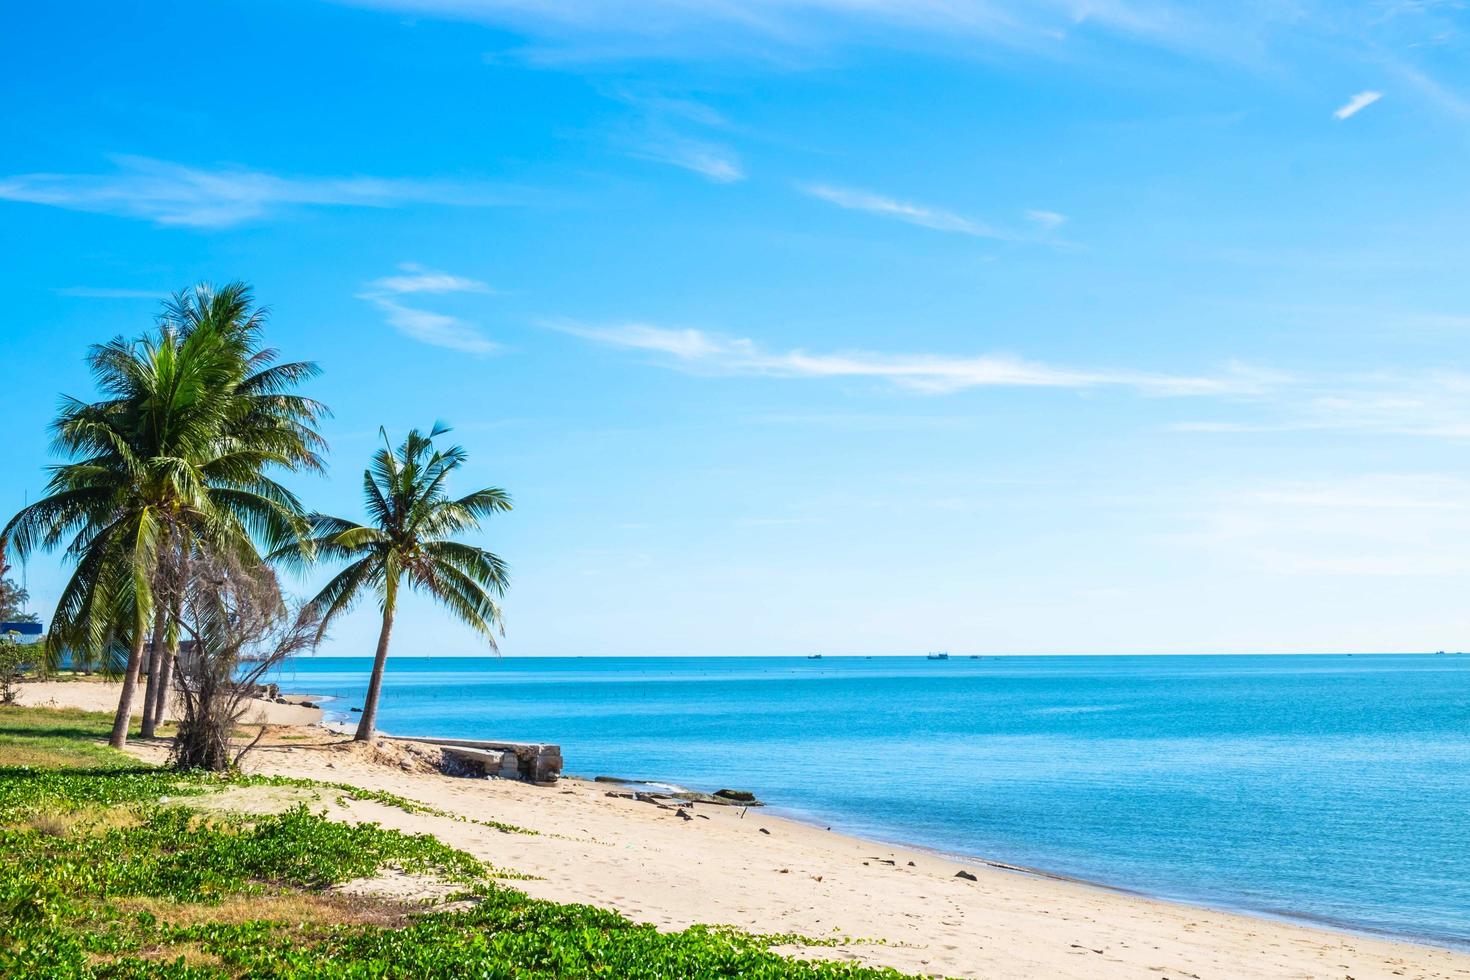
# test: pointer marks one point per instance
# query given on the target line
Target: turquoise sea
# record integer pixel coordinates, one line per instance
(1328, 788)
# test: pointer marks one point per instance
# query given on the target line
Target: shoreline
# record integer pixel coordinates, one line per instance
(344, 724)
(1303, 919)
(779, 873)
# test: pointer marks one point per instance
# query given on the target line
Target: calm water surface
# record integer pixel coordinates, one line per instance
(1335, 788)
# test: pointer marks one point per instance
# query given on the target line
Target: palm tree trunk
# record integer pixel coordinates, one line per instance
(176, 611)
(130, 686)
(156, 660)
(375, 684)
(164, 680)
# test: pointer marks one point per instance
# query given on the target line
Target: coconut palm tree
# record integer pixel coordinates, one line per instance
(174, 459)
(268, 424)
(407, 541)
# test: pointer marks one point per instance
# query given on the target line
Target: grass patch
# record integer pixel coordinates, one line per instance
(57, 738)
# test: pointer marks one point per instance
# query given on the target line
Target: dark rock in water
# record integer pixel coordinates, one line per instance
(357, 709)
(965, 875)
(612, 779)
(737, 796)
(311, 704)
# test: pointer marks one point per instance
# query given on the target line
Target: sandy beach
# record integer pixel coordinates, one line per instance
(904, 908)
(100, 695)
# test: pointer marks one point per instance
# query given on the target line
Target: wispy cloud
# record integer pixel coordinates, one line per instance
(915, 214)
(713, 161)
(779, 29)
(701, 352)
(659, 131)
(428, 326)
(1431, 90)
(414, 278)
(1357, 104)
(437, 329)
(1046, 220)
(175, 194)
(1038, 228)
(1429, 404)
(1256, 36)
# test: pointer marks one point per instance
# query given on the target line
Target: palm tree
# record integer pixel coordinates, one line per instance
(267, 424)
(173, 460)
(407, 541)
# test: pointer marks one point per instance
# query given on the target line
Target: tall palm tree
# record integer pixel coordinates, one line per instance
(408, 541)
(173, 459)
(267, 424)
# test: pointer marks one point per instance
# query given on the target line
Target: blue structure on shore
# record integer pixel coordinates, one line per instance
(24, 632)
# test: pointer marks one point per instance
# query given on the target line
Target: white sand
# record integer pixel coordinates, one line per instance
(655, 867)
(98, 695)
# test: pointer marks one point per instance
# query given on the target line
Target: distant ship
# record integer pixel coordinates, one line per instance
(814, 656)
(938, 656)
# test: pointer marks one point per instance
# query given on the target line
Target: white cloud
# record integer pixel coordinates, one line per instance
(1255, 36)
(414, 278)
(434, 328)
(658, 132)
(174, 194)
(1357, 104)
(1047, 220)
(698, 351)
(1430, 404)
(685, 344)
(713, 161)
(915, 214)
(427, 326)
(656, 103)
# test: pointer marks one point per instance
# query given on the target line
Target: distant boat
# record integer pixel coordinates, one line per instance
(814, 656)
(938, 656)
(974, 656)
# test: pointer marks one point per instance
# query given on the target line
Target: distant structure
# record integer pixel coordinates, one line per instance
(188, 656)
(23, 632)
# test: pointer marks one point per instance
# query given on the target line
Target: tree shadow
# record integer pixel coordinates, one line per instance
(60, 731)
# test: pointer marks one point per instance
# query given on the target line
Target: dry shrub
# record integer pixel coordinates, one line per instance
(241, 628)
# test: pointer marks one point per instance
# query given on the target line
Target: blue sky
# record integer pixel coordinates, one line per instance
(794, 325)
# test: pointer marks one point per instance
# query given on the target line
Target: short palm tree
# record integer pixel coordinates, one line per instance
(408, 542)
(172, 460)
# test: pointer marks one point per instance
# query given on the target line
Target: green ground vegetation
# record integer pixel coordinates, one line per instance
(111, 869)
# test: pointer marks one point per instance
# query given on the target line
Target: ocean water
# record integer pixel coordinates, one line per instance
(1328, 788)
